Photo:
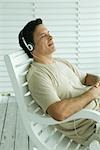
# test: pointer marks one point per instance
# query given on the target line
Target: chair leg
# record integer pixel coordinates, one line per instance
(95, 145)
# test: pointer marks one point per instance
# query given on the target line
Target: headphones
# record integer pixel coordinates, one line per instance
(30, 46)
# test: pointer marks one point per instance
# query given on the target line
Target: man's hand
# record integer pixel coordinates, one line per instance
(95, 90)
(91, 80)
(97, 84)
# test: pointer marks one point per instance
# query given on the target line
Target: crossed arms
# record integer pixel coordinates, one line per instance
(67, 107)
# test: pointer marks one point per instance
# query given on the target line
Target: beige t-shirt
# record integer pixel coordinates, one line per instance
(49, 83)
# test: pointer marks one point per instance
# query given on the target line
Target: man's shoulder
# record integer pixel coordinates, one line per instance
(36, 72)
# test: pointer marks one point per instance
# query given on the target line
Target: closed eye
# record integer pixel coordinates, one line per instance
(44, 34)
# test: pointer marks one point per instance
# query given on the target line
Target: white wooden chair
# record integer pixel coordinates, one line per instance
(40, 127)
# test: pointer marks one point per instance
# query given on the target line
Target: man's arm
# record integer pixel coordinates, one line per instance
(67, 107)
(91, 79)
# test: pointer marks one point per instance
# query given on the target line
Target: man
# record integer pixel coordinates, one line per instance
(58, 86)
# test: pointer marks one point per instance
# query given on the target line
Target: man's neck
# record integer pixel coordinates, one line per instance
(43, 59)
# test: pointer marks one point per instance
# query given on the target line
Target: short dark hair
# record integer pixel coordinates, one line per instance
(27, 34)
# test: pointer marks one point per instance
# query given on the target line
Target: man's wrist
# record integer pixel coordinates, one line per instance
(91, 93)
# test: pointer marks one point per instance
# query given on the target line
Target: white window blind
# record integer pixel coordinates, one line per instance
(89, 35)
(75, 25)
(13, 16)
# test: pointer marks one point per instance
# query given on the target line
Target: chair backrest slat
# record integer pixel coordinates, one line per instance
(21, 59)
(62, 145)
(60, 139)
(18, 53)
(27, 93)
(25, 84)
(46, 132)
(22, 69)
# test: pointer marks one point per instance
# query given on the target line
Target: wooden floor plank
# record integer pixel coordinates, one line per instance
(4, 99)
(8, 138)
(12, 132)
(31, 144)
(21, 142)
(3, 109)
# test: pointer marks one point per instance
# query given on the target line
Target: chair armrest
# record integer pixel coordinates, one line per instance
(83, 114)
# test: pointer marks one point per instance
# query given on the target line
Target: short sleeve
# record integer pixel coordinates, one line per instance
(42, 90)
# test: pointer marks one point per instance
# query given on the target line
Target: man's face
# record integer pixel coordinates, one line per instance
(43, 40)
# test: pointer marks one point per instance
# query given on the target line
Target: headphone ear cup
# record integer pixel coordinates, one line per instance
(30, 47)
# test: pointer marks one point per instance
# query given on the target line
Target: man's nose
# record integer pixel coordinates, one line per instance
(50, 37)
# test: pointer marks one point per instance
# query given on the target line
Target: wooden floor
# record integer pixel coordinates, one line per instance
(12, 132)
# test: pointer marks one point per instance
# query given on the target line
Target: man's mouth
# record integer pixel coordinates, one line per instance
(50, 44)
